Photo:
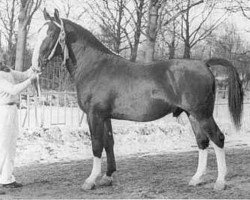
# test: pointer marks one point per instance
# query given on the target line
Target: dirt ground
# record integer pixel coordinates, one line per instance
(143, 176)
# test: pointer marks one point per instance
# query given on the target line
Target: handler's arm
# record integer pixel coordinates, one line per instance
(13, 89)
(21, 76)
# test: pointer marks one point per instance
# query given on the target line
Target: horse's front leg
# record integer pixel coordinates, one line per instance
(96, 127)
(109, 148)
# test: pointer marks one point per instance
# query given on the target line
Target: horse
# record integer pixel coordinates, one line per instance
(111, 87)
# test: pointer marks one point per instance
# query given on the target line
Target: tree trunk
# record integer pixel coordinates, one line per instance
(187, 51)
(152, 29)
(27, 10)
(10, 55)
(187, 46)
(172, 50)
(133, 54)
(137, 35)
(134, 50)
(118, 35)
(21, 47)
(21, 40)
(172, 46)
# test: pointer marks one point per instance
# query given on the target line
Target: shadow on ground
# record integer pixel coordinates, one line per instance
(142, 176)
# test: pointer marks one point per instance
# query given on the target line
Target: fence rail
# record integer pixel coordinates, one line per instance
(61, 108)
(51, 108)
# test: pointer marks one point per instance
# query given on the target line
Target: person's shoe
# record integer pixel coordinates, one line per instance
(12, 185)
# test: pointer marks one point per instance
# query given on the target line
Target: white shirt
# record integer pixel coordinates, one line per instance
(11, 84)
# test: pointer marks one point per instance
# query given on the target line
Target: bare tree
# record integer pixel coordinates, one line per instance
(72, 9)
(27, 10)
(230, 45)
(8, 20)
(194, 28)
(153, 14)
(137, 24)
(121, 23)
(155, 22)
(242, 6)
(109, 14)
(167, 40)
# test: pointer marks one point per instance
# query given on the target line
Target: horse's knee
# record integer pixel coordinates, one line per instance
(202, 141)
(97, 148)
(213, 132)
(219, 139)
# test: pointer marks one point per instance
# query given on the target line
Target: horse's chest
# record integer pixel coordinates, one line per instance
(91, 97)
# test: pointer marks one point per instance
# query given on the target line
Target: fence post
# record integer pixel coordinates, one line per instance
(42, 112)
(28, 109)
(50, 106)
(36, 103)
(65, 106)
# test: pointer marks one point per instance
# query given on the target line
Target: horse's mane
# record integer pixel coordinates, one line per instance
(87, 37)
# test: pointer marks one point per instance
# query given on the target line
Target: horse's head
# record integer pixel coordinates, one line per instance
(50, 41)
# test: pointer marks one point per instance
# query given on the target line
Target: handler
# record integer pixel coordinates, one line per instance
(11, 84)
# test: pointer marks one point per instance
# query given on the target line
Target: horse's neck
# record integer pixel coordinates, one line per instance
(87, 59)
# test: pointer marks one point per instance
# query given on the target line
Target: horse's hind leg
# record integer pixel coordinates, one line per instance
(109, 148)
(202, 142)
(205, 130)
(217, 141)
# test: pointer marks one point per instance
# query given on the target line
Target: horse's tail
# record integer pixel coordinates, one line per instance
(235, 92)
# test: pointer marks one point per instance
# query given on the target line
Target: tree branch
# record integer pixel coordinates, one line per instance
(181, 12)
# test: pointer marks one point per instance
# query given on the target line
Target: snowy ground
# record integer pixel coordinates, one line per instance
(63, 143)
(154, 159)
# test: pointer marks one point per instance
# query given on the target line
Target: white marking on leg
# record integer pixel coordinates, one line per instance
(202, 163)
(42, 34)
(96, 170)
(201, 169)
(221, 164)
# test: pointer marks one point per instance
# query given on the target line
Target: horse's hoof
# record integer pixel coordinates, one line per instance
(219, 185)
(88, 186)
(195, 182)
(106, 180)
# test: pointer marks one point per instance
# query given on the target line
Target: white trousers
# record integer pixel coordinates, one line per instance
(9, 129)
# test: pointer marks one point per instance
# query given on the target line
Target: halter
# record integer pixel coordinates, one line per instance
(62, 41)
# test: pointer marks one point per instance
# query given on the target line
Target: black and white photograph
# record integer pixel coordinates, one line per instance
(124, 99)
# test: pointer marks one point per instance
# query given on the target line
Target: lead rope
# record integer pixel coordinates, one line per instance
(36, 85)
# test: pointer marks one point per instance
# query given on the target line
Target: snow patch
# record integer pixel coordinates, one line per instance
(55, 144)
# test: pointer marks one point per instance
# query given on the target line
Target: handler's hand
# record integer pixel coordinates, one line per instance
(35, 69)
(33, 77)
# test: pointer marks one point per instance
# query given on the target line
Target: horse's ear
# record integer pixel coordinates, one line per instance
(46, 15)
(56, 16)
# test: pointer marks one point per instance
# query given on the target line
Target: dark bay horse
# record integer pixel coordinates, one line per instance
(111, 87)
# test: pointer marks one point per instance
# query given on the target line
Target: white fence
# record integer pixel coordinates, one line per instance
(61, 108)
(52, 108)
